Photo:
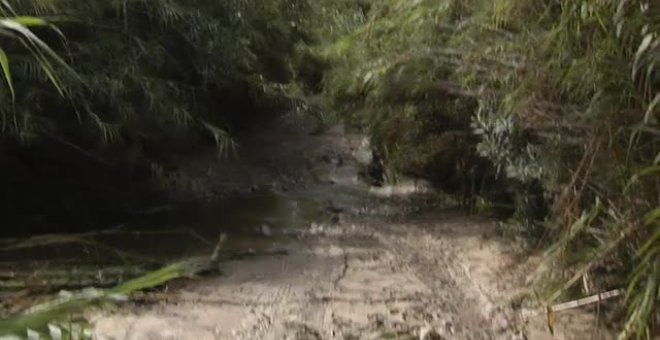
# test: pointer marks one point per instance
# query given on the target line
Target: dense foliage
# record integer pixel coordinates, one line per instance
(101, 90)
(549, 107)
(144, 66)
(561, 97)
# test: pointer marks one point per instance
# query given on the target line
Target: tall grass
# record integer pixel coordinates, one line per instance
(562, 97)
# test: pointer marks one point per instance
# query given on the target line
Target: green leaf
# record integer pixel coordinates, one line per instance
(29, 21)
(652, 216)
(5, 6)
(649, 171)
(643, 46)
(223, 140)
(652, 170)
(4, 62)
(651, 109)
(39, 49)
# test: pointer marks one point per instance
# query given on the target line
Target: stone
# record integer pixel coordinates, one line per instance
(266, 230)
(428, 333)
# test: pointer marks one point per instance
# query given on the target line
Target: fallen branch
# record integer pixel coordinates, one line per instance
(84, 238)
(587, 300)
(49, 280)
(550, 310)
(40, 316)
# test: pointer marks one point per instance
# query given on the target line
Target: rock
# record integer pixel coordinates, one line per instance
(373, 173)
(338, 161)
(332, 208)
(333, 158)
(265, 230)
(363, 154)
(338, 129)
(428, 333)
(518, 336)
(449, 326)
(377, 319)
(316, 228)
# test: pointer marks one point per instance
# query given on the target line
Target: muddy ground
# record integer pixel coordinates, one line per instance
(381, 263)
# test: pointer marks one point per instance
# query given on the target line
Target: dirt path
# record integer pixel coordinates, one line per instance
(377, 271)
(354, 281)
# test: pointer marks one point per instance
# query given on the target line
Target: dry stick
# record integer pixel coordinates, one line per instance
(585, 178)
(563, 199)
(551, 310)
(53, 239)
(596, 332)
(611, 247)
(82, 151)
(49, 240)
(576, 175)
(578, 192)
(38, 241)
(587, 300)
(597, 298)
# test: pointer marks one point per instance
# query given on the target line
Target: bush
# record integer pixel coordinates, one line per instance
(562, 98)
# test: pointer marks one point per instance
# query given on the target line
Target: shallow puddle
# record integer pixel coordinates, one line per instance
(259, 221)
(254, 221)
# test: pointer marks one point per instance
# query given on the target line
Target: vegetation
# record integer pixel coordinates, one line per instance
(146, 80)
(561, 97)
(549, 108)
(145, 66)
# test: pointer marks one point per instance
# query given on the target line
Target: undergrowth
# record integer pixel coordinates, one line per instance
(548, 106)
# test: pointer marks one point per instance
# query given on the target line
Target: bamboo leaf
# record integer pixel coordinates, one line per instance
(648, 117)
(223, 140)
(643, 46)
(4, 4)
(4, 62)
(29, 21)
(39, 49)
(652, 170)
(37, 44)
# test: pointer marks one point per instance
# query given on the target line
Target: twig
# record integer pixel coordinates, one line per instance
(82, 151)
(624, 234)
(216, 252)
(587, 300)
(551, 310)
(55, 239)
